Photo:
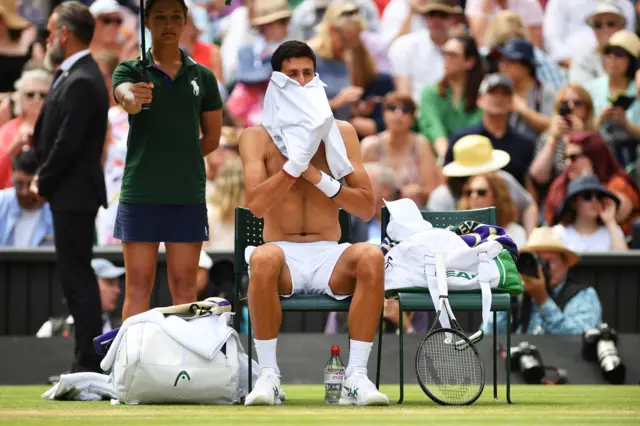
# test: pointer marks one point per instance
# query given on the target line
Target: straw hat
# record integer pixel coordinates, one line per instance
(447, 6)
(474, 155)
(546, 238)
(626, 39)
(268, 11)
(10, 15)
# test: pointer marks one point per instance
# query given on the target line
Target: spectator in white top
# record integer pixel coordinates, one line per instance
(606, 19)
(416, 59)
(567, 35)
(309, 14)
(238, 32)
(588, 217)
(480, 13)
(401, 17)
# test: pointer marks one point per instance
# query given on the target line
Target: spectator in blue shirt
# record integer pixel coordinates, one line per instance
(553, 303)
(25, 221)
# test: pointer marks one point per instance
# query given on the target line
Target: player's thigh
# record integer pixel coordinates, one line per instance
(268, 266)
(343, 278)
(140, 262)
(182, 261)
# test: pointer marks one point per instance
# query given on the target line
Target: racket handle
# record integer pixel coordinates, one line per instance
(441, 274)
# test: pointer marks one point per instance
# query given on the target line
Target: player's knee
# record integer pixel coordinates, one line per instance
(266, 261)
(371, 264)
(183, 290)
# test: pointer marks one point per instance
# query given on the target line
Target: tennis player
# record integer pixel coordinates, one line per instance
(163, 187)
(300, 205)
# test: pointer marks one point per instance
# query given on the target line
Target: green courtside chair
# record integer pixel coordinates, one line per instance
(419, 300)
(248, 232)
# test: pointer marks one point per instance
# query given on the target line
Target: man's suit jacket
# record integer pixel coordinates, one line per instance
(69, 137)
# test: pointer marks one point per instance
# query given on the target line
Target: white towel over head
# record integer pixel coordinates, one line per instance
(299, 117)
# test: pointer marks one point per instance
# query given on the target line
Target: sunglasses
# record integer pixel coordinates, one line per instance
(592, 195)
(350, 13)
(481, 192)
(616, 51)
(572, 157)
(574, 102)
(437, 14)
(107, 20)
(604, 24)
(406, 109)
(34, 94)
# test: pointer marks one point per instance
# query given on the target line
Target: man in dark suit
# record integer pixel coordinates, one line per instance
(69, 137)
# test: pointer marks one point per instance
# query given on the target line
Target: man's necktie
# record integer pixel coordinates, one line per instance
(56, 77)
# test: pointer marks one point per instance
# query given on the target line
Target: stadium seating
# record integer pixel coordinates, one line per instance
(420, 300)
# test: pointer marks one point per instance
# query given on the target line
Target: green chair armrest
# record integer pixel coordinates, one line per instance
(467, 301)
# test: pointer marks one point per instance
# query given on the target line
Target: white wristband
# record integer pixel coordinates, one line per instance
(329, 185)
(294, 169)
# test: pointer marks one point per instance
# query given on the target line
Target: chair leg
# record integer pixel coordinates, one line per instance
(379, 352)
(495, 356)
(401, 342)
(508, 350)
(250, 352)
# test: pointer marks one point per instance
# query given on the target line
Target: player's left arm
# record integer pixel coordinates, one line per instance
(357, 196)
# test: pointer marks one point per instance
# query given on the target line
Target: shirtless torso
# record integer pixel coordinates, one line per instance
(295, 210)
(304, 214)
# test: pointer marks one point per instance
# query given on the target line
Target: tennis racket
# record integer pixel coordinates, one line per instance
(143, 57)
(449, 368)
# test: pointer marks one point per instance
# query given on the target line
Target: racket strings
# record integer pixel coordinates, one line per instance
(451, 374)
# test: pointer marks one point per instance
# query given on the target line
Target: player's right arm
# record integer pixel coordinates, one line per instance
(261, 192)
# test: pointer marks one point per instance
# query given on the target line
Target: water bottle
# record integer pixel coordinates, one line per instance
(333, 377)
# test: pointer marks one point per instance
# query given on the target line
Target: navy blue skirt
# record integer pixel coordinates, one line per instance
(157, 223)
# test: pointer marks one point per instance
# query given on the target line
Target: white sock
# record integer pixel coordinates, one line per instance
(358, 355)
(266, 351)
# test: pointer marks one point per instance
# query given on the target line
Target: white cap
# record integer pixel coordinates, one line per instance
(205, 260)
(103, 7)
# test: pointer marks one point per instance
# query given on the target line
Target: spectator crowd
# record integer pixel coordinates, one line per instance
(527, 105)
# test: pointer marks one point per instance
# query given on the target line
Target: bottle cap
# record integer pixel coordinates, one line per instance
(335, 350)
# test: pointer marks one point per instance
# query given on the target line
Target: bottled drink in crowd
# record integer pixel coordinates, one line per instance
(333, 377)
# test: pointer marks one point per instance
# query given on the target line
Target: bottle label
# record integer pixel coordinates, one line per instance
(334, 377)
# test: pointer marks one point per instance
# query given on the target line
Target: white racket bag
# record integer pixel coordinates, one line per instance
(151, 367)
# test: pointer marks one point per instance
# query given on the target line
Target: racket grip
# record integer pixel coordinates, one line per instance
(441, 274)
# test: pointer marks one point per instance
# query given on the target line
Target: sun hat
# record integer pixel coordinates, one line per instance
(10, 15)
(625, 39)
(606, 6)
(546, 238)
(447, 6)
(268, 11)
(577, 186)
(474, 155)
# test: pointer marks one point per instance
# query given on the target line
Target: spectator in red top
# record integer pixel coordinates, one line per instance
(586, 153)
(32, 87)
(207, 54)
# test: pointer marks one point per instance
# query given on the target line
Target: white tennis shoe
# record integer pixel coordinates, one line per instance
(266, 390)
(357, 389)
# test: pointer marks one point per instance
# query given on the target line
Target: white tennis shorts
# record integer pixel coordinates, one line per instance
(310, 264)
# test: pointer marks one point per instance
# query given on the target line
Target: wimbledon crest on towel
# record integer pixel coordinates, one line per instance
(182, 374)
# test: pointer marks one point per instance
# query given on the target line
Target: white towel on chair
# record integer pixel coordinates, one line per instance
(299, 117)
(81, 387)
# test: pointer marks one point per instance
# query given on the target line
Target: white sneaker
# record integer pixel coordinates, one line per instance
(266, 390)
(357, 389)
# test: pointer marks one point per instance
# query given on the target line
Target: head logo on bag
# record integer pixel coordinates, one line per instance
(182, 374)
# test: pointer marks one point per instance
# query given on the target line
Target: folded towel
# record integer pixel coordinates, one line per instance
(82, 387)
(405, 219)
(187, 333)
(298, 118)
(474, 233)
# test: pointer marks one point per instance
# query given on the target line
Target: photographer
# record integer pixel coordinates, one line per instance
(554, 302)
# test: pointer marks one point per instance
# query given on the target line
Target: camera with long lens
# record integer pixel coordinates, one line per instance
(599, 345)
(526, 359)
